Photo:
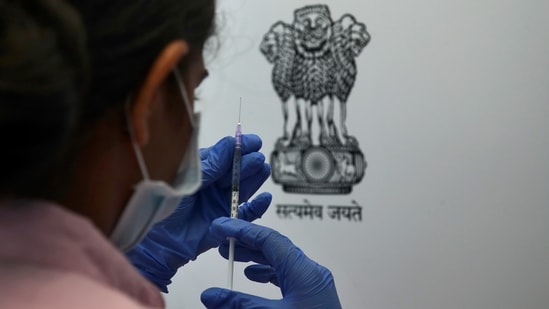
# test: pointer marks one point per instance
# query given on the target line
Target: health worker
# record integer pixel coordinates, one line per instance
(104, 192)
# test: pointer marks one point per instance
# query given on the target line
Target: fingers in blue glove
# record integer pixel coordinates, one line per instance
(257, 243)
(250, 184)
(250, 143)
(253, 170)
(254, 209)
(217, 298)
(248, 235)
(261, 273)
(217, 159)
(303, 282)
(243, 253)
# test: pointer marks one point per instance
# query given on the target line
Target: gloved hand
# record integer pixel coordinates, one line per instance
(303, 282)
(183, 235)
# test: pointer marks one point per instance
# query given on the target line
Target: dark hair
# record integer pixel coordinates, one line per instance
(42, 66)
(62, 67)
(124, 38)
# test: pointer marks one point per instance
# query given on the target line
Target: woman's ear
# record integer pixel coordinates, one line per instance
(145, 97)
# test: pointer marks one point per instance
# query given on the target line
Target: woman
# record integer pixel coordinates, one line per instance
(99, 133)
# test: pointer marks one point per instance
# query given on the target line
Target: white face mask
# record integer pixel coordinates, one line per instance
(153, 201)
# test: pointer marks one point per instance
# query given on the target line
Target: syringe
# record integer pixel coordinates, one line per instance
(235, 188)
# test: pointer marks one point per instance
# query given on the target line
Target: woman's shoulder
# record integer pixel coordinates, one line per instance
(29, 286)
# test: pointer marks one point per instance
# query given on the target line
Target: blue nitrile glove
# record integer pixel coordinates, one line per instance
(184, 234)
(303, 282)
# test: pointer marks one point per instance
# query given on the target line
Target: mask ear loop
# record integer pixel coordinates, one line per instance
(136, 149)
(185, 96)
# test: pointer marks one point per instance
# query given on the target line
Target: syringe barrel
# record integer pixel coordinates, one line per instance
(237, 161)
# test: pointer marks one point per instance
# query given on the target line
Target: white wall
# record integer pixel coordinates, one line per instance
(450, 109)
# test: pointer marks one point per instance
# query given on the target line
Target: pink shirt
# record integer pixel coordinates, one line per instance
(53, 258)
